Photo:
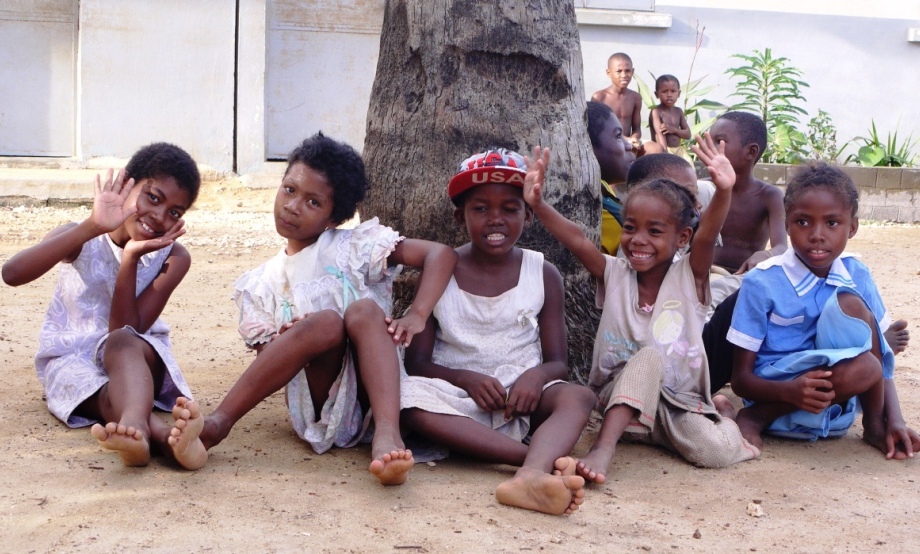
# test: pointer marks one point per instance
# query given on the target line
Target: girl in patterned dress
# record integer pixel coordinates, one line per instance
(317, 316)
(104, 354)
(649, 367)
(489, 368)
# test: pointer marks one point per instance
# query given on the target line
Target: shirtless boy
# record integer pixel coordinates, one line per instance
(756, 212)
(626, 104)
(666, 122)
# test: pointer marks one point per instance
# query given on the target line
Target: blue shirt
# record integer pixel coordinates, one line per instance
(781, 299)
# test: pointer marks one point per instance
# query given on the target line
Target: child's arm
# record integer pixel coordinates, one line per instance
(636, 121)
(141, 311)
(486, 391)
(65, 242)
(811, 391)
(683, 131)
(711, 220)
(901, 440)
(567, 232)
(437, 263)
(658, 128)
(776, 222)
(526, 392)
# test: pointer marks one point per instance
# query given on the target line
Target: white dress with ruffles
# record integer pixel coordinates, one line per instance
(72, 338)
(342, 266)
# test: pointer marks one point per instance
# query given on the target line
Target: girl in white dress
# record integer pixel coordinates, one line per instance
(104, 354)
(317, 314)
(490, 365)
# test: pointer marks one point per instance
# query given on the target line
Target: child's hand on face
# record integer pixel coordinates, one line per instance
(524, 394)
(720, 169)
(403, 329)
(536, 173)
(109, 209)
(812, 391)
(140, 247)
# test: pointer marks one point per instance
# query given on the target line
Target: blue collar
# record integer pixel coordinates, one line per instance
(802, 279)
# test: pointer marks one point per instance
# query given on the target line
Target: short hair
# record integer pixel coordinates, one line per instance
(662, 79)
(654, 166)
(162, 159)
(821, 175)
(619, 56)
(680, 200)
(597, 114)
(341, 165)
(751, 129)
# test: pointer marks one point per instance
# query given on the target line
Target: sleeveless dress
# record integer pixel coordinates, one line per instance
(342, 266)
(72, 338)
(497, 336)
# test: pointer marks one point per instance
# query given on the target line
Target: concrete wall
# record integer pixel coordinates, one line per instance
(860, 66)
(151, 71)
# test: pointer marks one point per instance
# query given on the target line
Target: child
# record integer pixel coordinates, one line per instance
(626, 104)
(666, 121)
(807, 329)
(756, 212)
(614, 157)
(490, 365)
(316, 314)
(104, 354)
(649, 370)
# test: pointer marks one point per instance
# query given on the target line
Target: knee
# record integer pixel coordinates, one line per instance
(120, 340)
(583, 397)
(362, 312)
(325, 325)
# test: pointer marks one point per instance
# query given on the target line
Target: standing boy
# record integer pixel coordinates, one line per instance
(625, 103)
(666, 122)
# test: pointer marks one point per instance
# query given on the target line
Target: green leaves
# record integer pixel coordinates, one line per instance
(888, 153)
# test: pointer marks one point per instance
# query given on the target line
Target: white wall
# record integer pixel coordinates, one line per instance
(859, 67)
(152, 71)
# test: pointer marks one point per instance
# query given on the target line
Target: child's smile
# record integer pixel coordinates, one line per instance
(494, 215)
(649, 240)
(160, 204)
(819, 226)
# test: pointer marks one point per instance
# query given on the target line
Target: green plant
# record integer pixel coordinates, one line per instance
(692, 92)
(771, 88)
(888, 153)
(822, 138)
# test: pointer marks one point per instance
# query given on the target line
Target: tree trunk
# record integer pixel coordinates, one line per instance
(457, 77)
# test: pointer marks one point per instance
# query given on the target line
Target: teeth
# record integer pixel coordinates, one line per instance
(495, 236)
(146, 227)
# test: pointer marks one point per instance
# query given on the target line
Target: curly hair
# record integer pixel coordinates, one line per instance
(679, 199)
(162, 159)
(651, 166)
(662, 79)
(341, 165)
(830, 178)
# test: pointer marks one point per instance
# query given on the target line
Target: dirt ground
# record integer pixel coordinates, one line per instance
(265, 490)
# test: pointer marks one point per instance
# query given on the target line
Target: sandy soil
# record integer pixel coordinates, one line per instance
(265, 490)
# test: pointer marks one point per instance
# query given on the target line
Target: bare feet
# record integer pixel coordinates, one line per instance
(532, 489)
(392, 462)
(184, 436)
(897, 336)
(393, 467)
(564, 466)
(750, 428)
(132, 446)
(593, 467)
(724, 406)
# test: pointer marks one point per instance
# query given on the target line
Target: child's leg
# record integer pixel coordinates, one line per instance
(560, 417)
(319, 340)
(593, 467)
(378, 373)
(135, 373)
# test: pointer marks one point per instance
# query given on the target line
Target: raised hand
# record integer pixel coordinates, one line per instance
(110, 207)
(720, 169)
(536, 173)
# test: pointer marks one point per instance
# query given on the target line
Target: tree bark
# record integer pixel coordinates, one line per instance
(455, 77)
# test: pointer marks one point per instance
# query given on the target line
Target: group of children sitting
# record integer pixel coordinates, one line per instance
(477, 364)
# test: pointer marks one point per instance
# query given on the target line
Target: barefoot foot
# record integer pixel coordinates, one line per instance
(564, 466)
(750, 428)
(393, 467)
(897, 336)
(184, 436)
(132, 446)
(724, 406)
(532, 489)
(593, 467)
